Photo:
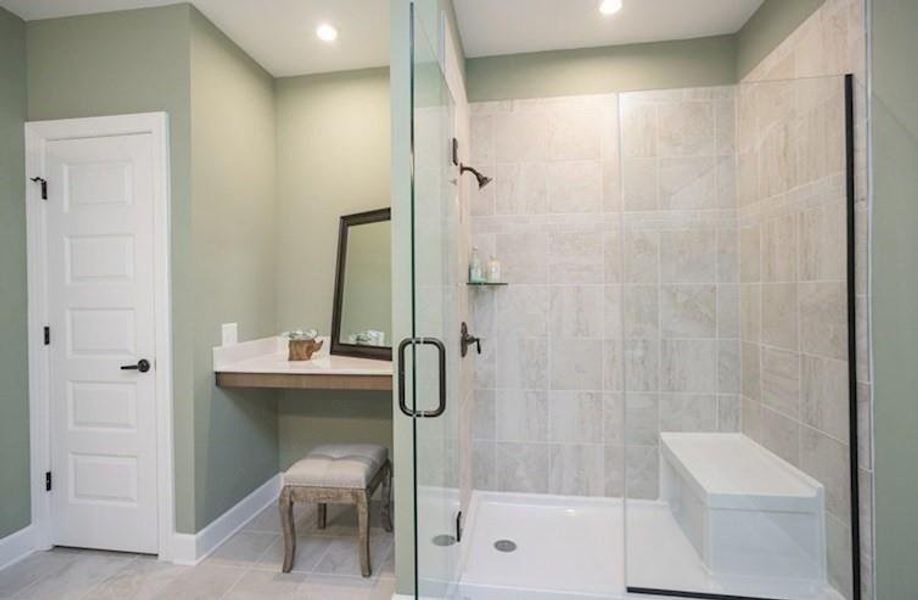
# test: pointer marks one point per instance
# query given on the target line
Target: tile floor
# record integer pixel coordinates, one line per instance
(246, 567)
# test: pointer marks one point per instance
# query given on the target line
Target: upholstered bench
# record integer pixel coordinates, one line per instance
(337, 474)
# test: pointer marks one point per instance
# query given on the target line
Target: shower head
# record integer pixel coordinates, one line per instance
(483, 180)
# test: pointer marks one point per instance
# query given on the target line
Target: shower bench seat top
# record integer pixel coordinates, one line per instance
(731, 471)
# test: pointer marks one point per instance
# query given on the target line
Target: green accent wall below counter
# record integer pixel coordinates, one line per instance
(15, 510)
(308, 418)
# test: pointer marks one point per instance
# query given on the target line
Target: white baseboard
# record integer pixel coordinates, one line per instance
(192, 548)
(17, 546)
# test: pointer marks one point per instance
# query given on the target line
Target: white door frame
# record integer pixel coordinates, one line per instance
(37, 134)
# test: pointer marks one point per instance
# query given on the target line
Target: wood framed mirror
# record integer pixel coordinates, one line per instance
(362, 314)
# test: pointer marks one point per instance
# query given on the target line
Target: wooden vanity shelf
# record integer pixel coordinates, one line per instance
(304, 382)
(263, 364)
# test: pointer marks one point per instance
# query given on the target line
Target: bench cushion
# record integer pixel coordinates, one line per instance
(350, 466)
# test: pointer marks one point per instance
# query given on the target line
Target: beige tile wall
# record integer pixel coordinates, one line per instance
(547, 415)
(792, 263)
(680, 271)
(558, 356)
(696, 263)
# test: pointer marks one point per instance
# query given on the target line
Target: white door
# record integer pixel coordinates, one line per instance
(100, 303)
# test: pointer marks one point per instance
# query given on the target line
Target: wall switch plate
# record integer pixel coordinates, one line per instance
(230, 333)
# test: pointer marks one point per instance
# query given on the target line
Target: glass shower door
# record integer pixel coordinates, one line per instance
(429, 360)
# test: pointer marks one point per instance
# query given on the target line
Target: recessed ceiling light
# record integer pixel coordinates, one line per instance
(610, 7)
(326, 32)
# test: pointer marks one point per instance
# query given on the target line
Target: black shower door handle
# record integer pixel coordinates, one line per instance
(441, 362)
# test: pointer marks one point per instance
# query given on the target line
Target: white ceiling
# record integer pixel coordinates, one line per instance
(280, 34)
(490, 27)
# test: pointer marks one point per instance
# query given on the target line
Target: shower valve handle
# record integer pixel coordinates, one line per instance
(467, 340)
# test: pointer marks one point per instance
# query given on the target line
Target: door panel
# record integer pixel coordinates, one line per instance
(101, 314)
(433, 358)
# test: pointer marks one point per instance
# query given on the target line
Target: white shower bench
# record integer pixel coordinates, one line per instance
(747, 511)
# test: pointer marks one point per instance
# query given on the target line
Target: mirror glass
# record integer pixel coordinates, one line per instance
(362, 321)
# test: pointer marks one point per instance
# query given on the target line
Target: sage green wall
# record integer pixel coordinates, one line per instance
(15, 510)
(308, 418)
(333, 149)
(677, 64)
(129, 62)
(894, 106)
(333, 160)
(171, 59)
(768, 27)
(233, 220)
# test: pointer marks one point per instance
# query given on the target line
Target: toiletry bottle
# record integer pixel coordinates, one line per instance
(476, 274)
(494, 270)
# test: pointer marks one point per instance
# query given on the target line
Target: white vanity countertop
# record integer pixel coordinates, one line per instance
(269, 355)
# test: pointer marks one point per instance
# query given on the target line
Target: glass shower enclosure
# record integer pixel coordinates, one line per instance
(691, 363)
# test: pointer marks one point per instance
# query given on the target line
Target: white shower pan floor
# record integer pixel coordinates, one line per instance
(571, 548)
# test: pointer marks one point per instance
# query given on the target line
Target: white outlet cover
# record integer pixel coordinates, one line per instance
(230, 333)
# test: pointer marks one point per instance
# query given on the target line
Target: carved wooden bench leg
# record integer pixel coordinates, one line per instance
(285, 504)
(321, 515)
(363, 526)
(387, 499)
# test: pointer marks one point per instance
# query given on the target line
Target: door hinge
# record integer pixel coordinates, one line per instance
(44, 186)
(48, 481)
(47, 336)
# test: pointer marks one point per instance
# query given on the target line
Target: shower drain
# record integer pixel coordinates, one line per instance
(444, 539)
(505, 545)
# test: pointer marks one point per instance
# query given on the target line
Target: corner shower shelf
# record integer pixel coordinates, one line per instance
(487, 283)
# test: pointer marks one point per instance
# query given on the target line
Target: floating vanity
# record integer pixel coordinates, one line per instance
(263, 364)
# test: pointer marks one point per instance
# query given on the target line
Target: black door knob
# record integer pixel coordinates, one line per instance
(143, 365)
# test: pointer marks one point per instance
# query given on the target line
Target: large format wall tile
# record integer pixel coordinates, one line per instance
(522, 416)
(520, 189)
(686, 129)
(523, 467)
(688, 256)
(576, 470)
(576, 256)
(575, 417)
(575, 186)
(781, 381)
(688, 311)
